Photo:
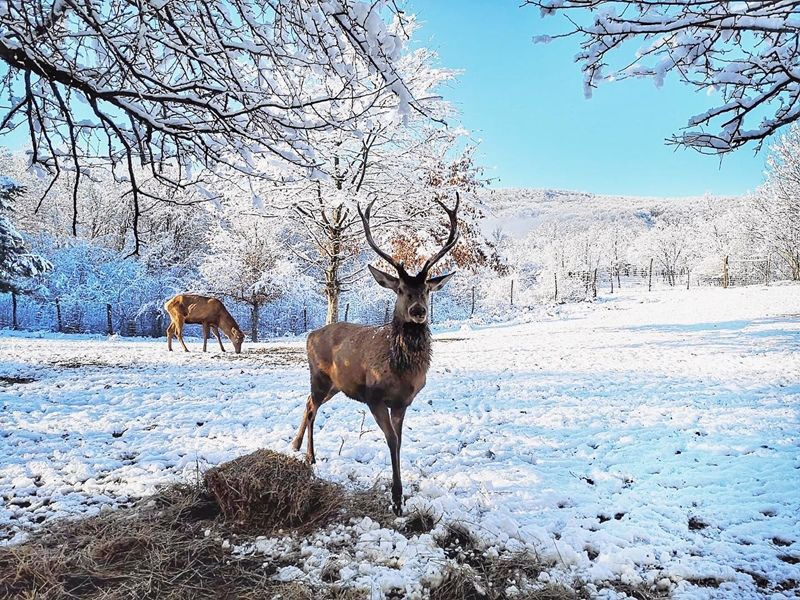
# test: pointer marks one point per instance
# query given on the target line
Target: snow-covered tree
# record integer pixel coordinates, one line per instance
(16, 261)
(170, 228)
(777, 203)
(382, 156)
(744, 54)
(674, 243)
(246, 262)
(195, 84)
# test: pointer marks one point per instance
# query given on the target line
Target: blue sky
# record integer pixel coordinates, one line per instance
(525, 102)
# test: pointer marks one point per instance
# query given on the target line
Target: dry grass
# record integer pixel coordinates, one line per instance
(160, 549)
(155, 551)
(475, 575)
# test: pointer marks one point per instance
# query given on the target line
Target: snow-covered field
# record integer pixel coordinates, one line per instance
(649, 437)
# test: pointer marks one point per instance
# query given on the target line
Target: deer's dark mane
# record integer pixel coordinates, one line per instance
(409, 347)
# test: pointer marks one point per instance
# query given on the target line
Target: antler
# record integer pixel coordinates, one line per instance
(452, 238)
(365, 220)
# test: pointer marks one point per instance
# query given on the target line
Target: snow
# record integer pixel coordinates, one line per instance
(648, 438)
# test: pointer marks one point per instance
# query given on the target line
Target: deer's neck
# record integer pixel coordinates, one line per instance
(227, 323)
(410, 347)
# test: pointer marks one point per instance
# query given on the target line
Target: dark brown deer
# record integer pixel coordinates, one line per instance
(384, 367)
(189, 309)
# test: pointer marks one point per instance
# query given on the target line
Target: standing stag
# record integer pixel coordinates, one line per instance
(384, 367)
(188, 309)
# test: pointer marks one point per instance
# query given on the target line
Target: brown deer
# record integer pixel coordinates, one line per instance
(384, 367)
(209, 312)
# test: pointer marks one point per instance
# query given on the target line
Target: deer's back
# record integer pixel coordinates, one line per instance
(196, 309)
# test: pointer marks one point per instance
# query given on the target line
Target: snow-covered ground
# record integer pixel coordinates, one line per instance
(649, 437)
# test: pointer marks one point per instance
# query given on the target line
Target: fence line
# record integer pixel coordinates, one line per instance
(288, 318)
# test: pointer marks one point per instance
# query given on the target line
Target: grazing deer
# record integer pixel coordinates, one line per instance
(384, 367)
(209, 312)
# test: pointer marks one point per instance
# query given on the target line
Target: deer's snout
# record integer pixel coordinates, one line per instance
(418, 313)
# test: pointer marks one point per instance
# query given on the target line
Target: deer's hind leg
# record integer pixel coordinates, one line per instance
(170, 333)
(322, 390)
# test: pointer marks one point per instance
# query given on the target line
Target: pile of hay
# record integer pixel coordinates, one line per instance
(267, 490)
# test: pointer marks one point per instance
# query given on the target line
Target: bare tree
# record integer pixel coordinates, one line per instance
(197, 84)
(744, 53)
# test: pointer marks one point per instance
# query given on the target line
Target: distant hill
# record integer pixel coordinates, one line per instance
(518, 210)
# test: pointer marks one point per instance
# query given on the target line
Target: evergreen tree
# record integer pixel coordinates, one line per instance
(15, 260)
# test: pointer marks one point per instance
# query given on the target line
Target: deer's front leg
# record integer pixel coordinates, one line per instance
(384, 421)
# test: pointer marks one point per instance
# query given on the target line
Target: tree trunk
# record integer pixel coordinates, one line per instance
(332, 292)
(333, 287)
(59, 323)
(109, 322)
(13, 310)
(611, 277)
(650, 277)
(254, 317)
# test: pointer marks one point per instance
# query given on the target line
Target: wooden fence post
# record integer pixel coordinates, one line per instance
(555, 282)
(611, 277)
(472, 310)
(650, 277)
(346, 311)
(687, 278)
(305, 317)
(110, 328)
(725, 273)
(512, 292)
(594, 283)
(13, 310)
(59, 323)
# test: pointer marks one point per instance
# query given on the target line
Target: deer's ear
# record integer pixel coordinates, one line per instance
(437, 283)
(384, 279)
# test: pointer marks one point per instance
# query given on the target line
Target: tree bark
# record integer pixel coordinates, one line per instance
(332, 292)
(254, 317)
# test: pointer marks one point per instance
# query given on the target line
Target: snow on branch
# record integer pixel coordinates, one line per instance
(745, 54)
(214, 84)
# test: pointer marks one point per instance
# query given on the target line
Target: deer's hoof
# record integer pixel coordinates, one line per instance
(397, 510)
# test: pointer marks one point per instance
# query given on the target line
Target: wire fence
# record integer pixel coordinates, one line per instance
(287, 317)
